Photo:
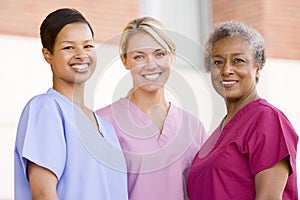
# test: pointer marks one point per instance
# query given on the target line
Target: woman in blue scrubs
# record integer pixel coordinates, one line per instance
(58, 135)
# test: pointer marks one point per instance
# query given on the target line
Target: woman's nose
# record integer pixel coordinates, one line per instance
(81, 54)
(151, 63)
(227, 69)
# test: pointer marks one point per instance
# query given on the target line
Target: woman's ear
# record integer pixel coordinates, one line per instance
(47, 55)
(123, 58)
(173, 58)
(257, 72)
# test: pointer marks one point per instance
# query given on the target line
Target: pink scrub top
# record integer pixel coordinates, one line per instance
(157, 163)
(256, 138)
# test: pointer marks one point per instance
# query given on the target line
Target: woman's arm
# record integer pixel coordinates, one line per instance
(42, 182)
(270, 183)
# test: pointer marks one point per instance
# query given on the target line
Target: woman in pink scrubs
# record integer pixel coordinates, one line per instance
(159, 139)
(252, 154)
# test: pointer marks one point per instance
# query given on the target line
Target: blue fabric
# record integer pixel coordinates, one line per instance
(56, 134)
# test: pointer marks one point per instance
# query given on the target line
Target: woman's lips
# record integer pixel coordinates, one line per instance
(228, 83)
(151, 77)
(80, 67)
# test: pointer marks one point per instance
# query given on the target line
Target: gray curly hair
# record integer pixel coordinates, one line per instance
(230, 29)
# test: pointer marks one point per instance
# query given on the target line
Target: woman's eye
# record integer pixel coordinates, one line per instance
(68, 47)
(238, 60)
(160, 54)
(138, 57)
(217, 62)
(89, 46)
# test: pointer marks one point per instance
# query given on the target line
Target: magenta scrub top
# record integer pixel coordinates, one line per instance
(157, 163)
(255, 139)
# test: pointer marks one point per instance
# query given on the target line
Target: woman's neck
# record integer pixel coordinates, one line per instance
(74, 92)
(233, 106)
(154, 105)
(145, 100)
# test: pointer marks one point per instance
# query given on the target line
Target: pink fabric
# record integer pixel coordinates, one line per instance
(257, 137)
(156, 162)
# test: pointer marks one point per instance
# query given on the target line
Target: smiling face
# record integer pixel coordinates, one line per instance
(148, 61)
(233, 69)
(73, 59)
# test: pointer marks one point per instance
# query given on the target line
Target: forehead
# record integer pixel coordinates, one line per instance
(141, 41)
(230, 45)
(76, 32)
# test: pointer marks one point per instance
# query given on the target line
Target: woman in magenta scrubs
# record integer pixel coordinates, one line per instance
(252, 153)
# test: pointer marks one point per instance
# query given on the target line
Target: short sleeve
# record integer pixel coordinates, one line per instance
(199, 137)
(40, 135)
(273, 140)
(201, 134)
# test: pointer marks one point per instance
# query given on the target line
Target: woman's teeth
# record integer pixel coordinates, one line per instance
(80, 68)
(151, 76)
(228, 83)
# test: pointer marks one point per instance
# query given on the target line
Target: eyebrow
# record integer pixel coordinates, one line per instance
(237, 54)
(139, 51)
(75, 42)
(232, 54)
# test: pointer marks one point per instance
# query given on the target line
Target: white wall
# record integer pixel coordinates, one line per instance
(24, 73)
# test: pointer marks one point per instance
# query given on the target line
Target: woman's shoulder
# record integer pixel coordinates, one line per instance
(50, 96)
(48, 100)
(266, 112)
(105, 109)
(176, 110)
(266, 108)
(185, 118)
(113, 107)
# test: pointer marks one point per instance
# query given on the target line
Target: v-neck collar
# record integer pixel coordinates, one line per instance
(143, 120)
(239, 114)
(218, 135)
(53, 91)
(223, 132)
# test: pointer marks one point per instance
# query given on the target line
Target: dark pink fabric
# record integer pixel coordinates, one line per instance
(256, 138)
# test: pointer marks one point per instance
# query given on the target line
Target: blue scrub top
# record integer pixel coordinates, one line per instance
(54, 133)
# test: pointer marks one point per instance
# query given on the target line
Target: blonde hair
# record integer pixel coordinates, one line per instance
(147, 25)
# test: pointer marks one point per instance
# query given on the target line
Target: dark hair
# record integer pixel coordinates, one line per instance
(55, 21)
